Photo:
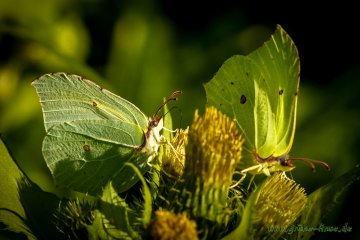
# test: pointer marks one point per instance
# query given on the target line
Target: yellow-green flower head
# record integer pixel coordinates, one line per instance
(170, 226)
(213, 149)
(280, 201)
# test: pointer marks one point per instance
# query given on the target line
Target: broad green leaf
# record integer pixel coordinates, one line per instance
(102, 229)
(260, 91)
(24, 207)
(324, 199)
(12, 213)
(40, 207)
(114, 219)
(92, 133)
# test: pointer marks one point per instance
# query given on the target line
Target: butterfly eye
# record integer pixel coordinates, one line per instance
(282, 160)
(285, 161)
(154, 121)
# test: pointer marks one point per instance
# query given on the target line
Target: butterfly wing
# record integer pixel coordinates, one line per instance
(91, 133)
(66, 97)
(278, 61)
(85, 154)
(260, 92)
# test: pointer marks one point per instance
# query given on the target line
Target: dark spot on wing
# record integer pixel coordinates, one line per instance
(94, 104)
(281, 92)
(242, 99)
(86, 148)
(232, 83)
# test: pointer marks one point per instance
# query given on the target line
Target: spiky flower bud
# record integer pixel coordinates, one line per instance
(214, 148)
(73, 217)
(212, 153)
(280, 202)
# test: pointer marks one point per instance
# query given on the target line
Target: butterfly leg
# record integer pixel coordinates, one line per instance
(258, 169)
(266, 171)
(149, 162)
(243, 176)
(251, 181)
(254, 170)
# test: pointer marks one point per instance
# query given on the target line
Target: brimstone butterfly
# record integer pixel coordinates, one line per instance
(91, 133)
(260, 91)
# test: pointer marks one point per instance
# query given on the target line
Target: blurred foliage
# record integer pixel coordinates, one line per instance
(145, 52)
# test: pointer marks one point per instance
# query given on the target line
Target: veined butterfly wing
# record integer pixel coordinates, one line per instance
(91, 133)
(260, 91)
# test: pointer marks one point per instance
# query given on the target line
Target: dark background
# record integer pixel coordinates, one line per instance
(147, 49)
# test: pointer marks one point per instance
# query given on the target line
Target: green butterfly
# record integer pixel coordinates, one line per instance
(261, 91)
(91, 133)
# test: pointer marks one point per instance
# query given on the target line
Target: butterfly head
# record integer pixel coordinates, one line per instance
(156, 124)
(154, 121)
(285, 161)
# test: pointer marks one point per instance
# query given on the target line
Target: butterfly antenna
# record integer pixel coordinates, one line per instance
(172, 97)
(312, 162)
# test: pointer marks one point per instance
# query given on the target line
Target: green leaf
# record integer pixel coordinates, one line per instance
(40, 207)
(323, 200)
(24, 207)
(12, 213)
(147, 211)
(245, 229)
(260, 91)
(114, 219)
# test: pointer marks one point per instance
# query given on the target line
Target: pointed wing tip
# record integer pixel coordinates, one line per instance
(279, 27)
(45, 76)
(55, 75)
